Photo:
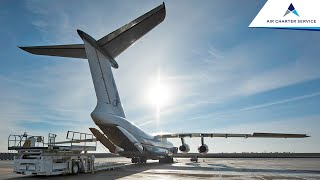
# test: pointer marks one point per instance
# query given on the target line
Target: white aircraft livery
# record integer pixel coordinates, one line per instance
(119, 135)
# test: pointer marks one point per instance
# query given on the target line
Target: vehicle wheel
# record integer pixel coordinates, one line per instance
(143, 160)
(75, 168)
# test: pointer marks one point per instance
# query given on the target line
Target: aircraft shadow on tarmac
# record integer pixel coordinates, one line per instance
(159, 169)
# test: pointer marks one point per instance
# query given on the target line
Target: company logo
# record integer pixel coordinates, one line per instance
(291, 9)
(287, 14)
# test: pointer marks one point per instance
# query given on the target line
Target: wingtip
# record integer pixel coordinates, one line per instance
(80, 33)
(24, 48)
(163, 6)
(165, 11)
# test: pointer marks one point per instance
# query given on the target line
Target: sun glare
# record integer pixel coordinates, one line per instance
(159, 95)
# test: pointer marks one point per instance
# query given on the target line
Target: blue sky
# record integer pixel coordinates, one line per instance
(222, 76)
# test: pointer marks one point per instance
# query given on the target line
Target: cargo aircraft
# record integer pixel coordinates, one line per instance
(119, 135)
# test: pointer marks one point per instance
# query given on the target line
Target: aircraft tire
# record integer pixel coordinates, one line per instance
(135, 160)
(167, 159)
(143, 160)
(161, 160)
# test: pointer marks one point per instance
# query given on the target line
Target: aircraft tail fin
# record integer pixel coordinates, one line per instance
(103, 80)
(114, 43)
(100, 53)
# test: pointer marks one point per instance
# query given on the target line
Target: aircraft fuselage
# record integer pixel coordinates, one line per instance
(151, 147)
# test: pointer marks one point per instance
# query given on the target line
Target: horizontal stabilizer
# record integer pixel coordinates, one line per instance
(119, 40)
(114, 43)
(70, 50)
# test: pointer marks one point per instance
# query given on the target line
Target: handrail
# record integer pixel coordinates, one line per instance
(17, 142)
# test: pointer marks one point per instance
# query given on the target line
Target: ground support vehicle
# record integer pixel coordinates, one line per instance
(35, 157)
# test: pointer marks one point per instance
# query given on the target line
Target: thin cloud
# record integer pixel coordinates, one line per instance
(259, 106)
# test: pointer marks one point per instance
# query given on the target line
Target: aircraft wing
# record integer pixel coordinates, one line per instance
(114, 43)
(226, 135)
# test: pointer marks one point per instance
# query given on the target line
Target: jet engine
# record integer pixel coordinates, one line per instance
(203, 149)
(184, 148)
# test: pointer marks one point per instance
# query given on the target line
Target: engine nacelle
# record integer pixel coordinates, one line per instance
(184, 148)
(203, 149)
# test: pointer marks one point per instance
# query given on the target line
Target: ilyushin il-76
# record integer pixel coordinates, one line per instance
(118, 134)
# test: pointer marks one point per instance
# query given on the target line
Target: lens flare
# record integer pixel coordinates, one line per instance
(159, 95)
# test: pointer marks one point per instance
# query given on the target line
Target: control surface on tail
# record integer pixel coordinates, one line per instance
(120, 135)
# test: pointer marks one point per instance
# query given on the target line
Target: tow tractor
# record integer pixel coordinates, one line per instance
(35, 157)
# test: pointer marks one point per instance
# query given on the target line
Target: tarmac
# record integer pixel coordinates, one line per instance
(207, 168)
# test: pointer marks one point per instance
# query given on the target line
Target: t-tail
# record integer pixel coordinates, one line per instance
(100, 63)
(101, 56)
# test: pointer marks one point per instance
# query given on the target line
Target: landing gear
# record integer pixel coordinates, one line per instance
(134, 160)
(166, 159)
(143, 160)
(139, 160)
(194, 159)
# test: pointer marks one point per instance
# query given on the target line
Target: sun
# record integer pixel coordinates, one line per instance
(159, 95)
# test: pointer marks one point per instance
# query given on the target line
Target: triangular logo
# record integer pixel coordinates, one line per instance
(291, 9)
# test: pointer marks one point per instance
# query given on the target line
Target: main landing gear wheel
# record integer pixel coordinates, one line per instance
(167, 159)
(138, 160)
(143, 160)
(134, 160)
